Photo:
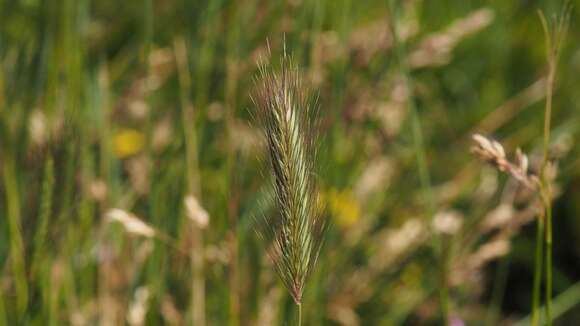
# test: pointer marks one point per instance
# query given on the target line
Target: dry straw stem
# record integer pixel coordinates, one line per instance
(130, 222)
(135, 226)
(296, 230)
(196, 212)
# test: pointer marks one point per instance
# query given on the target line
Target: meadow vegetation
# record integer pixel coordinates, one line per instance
(143, 144)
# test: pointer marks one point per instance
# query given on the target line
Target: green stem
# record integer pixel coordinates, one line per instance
(443, 289)
(3, 318)
(299, 314)
(537, 272)
(548, 263)
(16, 241)
(547, 193)
(553, 52)
(562, 303)
(193, 184)
(553, 39)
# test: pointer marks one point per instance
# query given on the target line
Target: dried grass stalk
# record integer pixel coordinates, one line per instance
(296, 230)
(130, 222)
(196, 212)
(492, 152)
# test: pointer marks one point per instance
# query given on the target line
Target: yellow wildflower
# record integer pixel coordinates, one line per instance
(343, 207)
(127, 142)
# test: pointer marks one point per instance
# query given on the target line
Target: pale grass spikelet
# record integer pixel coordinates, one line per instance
(390, 246)
(162, 134)
(376, 176)
(138, 308)
(169, 312)
(498, 217)
(447, 222)
(493, 152)
(436, 49)
(343, 314)
(469, 268)
(97, 189)
(217, 254)
(196, 212)
(296, 231)
(139, 170)
(270, 301)
(130, 222)
(400, 240)
(38, 127)
(491, 250)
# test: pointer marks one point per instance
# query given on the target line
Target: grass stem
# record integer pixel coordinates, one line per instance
(193, 182)
(543, 179)
(565, 301)
(299, 314)
(553, 36)
(13, 215)
(549, 264)
(538, 272)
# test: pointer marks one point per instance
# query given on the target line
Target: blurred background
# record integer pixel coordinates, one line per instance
(131, 171)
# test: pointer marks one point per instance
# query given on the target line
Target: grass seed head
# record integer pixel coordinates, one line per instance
(296, 229)
(492, 152)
